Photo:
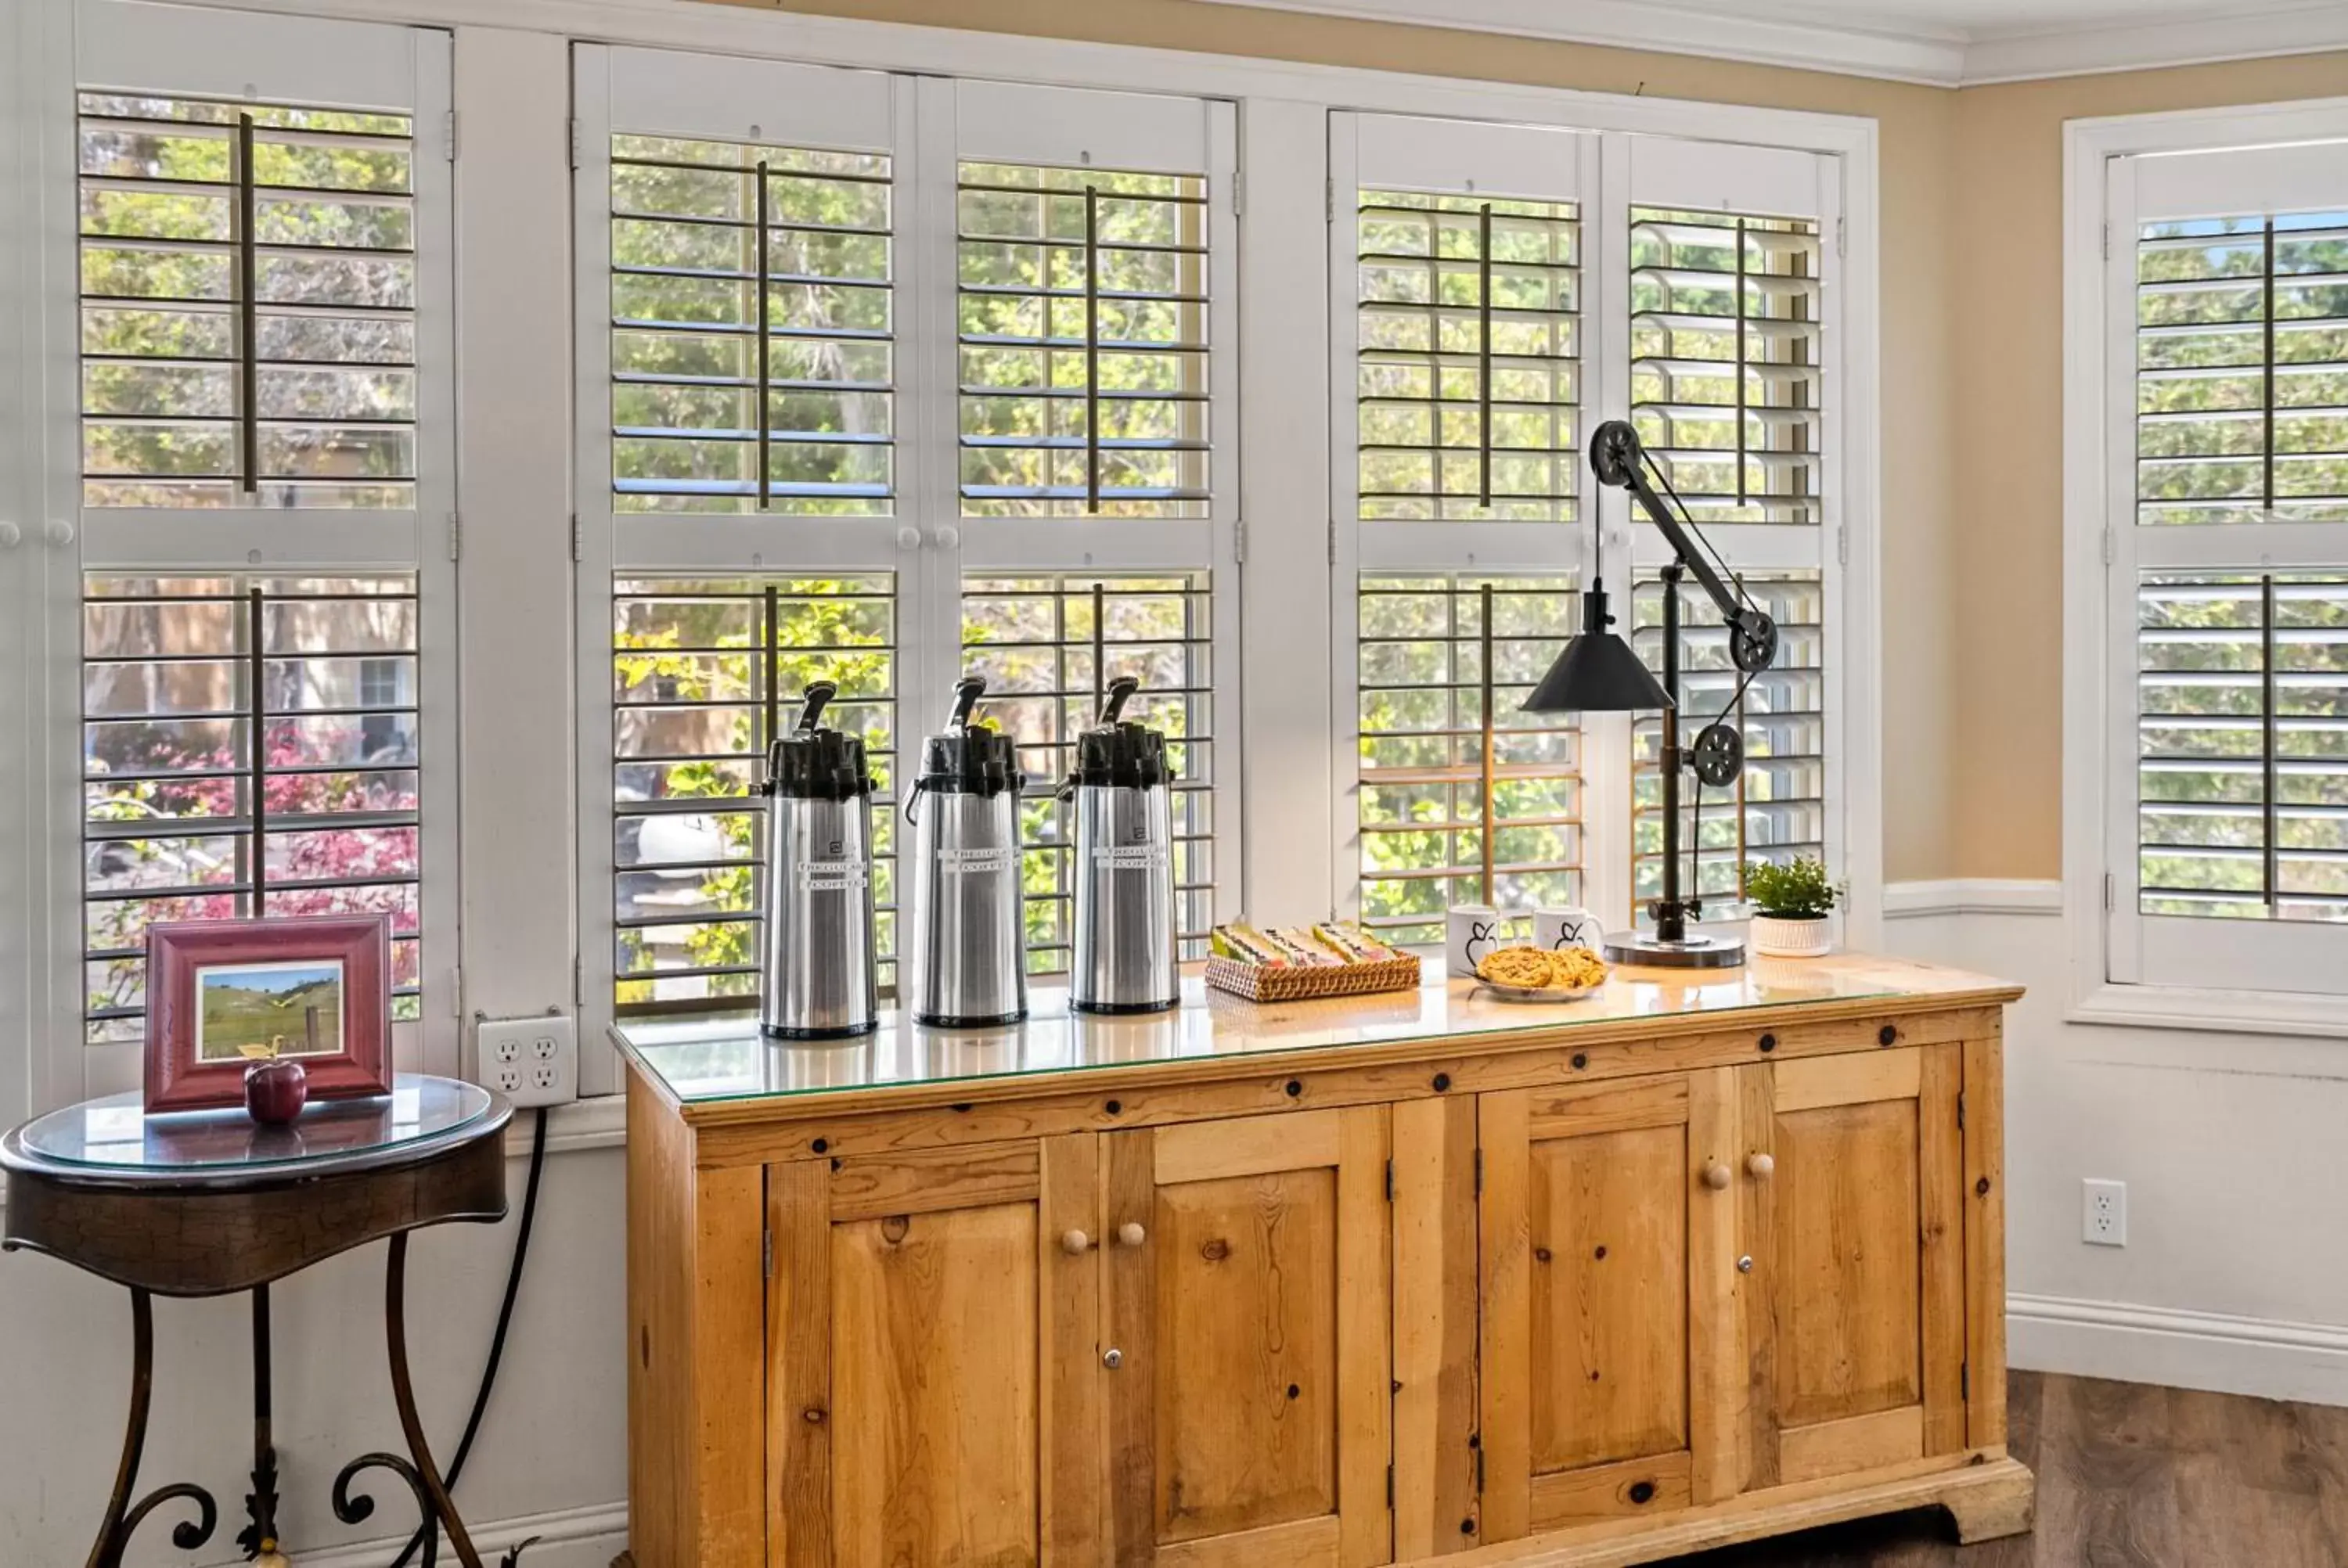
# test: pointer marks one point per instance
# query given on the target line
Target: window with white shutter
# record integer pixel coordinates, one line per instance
(981, 323)
(265, 722)
(1458, 381)
(2226, 519)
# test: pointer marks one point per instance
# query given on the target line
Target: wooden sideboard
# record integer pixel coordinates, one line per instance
(1332, 1284)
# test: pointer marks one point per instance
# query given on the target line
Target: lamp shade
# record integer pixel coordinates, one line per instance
(1598, 672)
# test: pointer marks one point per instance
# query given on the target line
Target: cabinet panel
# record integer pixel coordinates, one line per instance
(1854, 1218)
(1607, 1331)
(933, 1336)
(933, 1380)
(1247, 1280)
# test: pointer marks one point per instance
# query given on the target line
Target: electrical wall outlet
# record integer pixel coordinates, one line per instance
(2104, 1213)
(530, 1061)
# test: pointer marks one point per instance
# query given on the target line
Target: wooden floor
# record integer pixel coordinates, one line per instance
(2128, 1474)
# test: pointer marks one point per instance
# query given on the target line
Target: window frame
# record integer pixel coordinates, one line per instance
(2107, 959)
(1614, 173)
(135, 47)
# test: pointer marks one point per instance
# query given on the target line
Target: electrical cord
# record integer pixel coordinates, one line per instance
(497, 1343)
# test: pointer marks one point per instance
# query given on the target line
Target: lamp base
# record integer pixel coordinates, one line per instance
(1648, 950)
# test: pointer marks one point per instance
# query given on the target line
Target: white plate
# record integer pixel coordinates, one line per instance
(1535, 993)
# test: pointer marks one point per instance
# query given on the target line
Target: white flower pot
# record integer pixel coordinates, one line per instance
(1777, 938)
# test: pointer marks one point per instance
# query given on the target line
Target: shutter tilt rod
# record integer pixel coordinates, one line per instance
(1491, 894)
(257, 719)
(247, 313)
(765, 455)
(1740, 365)
(1092, 349)
(773, 638)
(1484, 387)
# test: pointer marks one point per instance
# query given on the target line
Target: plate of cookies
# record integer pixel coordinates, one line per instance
(1529, 974)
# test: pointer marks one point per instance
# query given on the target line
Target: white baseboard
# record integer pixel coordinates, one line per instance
(2209, 1351)
(571, 1537)
(1972, 896)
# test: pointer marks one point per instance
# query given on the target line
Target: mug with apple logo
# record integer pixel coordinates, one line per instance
(1568, 926)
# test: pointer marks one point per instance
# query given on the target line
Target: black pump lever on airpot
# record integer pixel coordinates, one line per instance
(1119, 690)
(819, 694)
(967, 692)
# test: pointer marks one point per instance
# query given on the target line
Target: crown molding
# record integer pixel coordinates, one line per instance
(2153, 45)
(1932, 60)
(1928, 58)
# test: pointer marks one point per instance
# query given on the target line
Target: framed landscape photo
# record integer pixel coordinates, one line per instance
(314, 989)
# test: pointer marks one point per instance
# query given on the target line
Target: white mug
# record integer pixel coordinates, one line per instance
(1568, 927)
(1472, 930)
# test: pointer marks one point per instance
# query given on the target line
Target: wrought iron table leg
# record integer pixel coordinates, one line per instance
(395, 1318)
(260, 1534)
(123, 1516)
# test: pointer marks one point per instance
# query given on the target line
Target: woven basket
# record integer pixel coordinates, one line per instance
(1303, 982)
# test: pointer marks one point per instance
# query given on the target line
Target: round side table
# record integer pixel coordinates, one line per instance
(208, 1203)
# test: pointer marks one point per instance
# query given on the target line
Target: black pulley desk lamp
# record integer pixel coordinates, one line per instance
(1599, 673)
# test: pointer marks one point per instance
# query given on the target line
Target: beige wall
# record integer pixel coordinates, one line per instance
(2005, 794)
(1971, 365)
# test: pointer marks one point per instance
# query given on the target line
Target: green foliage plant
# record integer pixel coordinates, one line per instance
(1797, 890)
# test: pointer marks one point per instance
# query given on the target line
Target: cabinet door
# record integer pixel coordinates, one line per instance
(934, 1371)
(1607, 1276)
(1853, 1181)
(1248, 1387)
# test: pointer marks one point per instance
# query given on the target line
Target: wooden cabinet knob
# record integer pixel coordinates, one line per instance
(1760, 1166)
(1076, 1243)
(1130, 1234)
(1715, 1177)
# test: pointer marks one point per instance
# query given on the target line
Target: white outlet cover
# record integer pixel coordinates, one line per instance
(2103, 1212)
(530, 1061)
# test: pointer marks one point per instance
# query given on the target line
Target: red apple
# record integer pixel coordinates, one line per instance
(276, 1091)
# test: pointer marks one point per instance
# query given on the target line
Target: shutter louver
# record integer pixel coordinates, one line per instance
(1047, 644)
(248, 305)
(205, 696)
(1082, 343)
(1777, 809)
(1432, 802)
(1726, 363)
(1468, 342)
(753, 329)
(702, 672)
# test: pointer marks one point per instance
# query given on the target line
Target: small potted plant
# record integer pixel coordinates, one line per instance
(1790, 906)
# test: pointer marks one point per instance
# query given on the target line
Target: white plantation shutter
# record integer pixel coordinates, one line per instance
(266, 704)
(2228, 308)
(1458, 388)
(983, 325)
(1735, 378)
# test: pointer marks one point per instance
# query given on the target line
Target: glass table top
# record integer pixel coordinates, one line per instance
(115, 1137)
(721, 1057)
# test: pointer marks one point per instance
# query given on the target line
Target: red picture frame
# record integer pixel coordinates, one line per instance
(318, 985)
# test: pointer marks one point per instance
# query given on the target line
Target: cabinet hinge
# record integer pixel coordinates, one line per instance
(2107, 892)
(1238, 192)
(1965, 1379)
(1328, 201)
(1239, 541)
(2110, 548)
(1842, 546)
(457, 989)
(456, 536)
(577, 551)
(574, 143)
(1961, 1101)
(578, 980)
(1389, 1180)
(1479, 1168)
(767, 1254)
(2105, 242)
(1842, 236)
(448, 136)
(1333, 541)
